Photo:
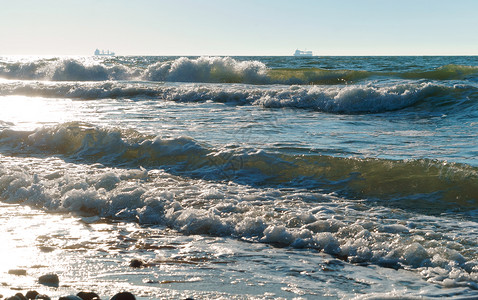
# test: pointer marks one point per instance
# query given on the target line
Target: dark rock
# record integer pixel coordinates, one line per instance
(18, 272)
(20, 296)
(70, 297)
(49, 279)
(136, 263)
(31, 294)
(88, 296)
(389, 263)
(13, 298)
(47, 249)
(123, 296)
(42, 297)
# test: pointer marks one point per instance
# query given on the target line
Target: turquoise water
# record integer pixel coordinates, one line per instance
(366, 162)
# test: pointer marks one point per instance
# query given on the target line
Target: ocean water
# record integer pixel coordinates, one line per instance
(240, 177)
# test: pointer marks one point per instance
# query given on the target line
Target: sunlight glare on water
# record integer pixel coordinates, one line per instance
(18, 249)
(28, 113)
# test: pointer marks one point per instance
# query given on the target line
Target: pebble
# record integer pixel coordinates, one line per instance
(88, 296)
(49, 279)
(20, 296)
(123, 296)
(18, 272)
(31, 294)
(136, 263)
(34, 295)
(70, 297)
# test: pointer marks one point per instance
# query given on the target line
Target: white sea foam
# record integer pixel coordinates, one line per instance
(338, 99)
(348, 99)
(201, 207)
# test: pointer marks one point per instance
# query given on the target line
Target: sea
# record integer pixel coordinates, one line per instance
(260, 177)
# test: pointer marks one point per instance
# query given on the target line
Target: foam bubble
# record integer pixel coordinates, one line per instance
(277, 234)
(87, 202)
(415, 255)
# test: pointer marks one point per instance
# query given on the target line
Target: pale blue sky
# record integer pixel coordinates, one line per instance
(242, 27)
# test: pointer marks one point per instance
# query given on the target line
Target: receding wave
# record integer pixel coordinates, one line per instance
(210, 70)
(367, 98)
(425, 184)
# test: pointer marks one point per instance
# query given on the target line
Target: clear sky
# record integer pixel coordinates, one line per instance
(239, 27)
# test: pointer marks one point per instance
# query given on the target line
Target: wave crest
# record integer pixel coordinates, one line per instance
(447, 72)
(348, 99)
(73, 70)
(449, 185)
(64, 70)
(208, 69)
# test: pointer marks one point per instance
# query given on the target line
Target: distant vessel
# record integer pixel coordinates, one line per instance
(302, 53)
(103, 53)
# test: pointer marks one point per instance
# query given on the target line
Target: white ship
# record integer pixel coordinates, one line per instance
(103, 53)
(302, 53)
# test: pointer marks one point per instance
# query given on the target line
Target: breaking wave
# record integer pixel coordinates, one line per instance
(447, 185)
(63, 70)
(304, 201)
(367, 98)
(210, 70)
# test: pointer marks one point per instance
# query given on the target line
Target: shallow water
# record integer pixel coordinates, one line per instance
(264, 177)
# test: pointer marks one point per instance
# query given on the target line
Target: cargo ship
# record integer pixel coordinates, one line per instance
(104, 53)
(302, 53)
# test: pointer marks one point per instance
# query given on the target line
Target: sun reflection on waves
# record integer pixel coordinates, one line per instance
(34, 244)
(15, 253)
(27, 113)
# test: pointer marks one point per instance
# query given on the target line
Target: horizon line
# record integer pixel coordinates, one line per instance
(241, 55)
